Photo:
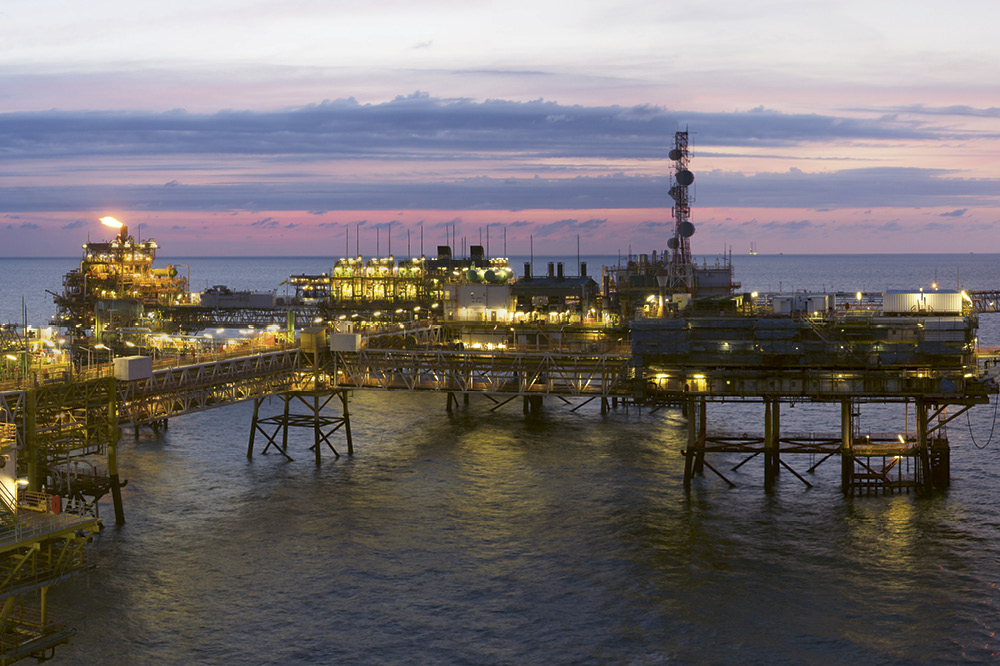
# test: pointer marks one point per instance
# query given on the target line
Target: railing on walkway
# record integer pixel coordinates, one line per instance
(37, 515)
(173, 391)
(47, 374)
(571, 374)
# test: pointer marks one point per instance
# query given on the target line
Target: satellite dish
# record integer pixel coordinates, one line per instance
(674, 193)
(672, 243)
(685, 177)
(685, 229)
(675, 154)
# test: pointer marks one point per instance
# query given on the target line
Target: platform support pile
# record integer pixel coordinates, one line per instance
(323, 425)
(772, 438)
(846, 446)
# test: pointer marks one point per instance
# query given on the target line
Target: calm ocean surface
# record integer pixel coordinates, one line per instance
(490, 538)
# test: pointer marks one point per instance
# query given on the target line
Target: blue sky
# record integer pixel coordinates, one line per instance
(260, 127)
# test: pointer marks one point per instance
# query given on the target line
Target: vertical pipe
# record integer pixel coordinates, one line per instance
(253, 425)
(768, 448)
(846, 447)
(116, 488)
(287, 397)
(692, 439)
(776, 436)
(922, 445)
(315, 410)
(347, 423)
(29, 437)
(699, 461)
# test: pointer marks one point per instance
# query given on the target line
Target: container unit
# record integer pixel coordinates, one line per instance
(909, 302)
(345, 342)
(796, 304)
(131, 368)
(221, 296)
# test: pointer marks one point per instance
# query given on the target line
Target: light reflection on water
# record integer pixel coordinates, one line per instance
(491, 538)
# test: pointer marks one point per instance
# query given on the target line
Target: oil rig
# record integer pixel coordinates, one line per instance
(707, 343)
(659, 331)
(117, 287)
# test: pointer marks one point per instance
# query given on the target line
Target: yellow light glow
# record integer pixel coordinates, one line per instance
(111, 222)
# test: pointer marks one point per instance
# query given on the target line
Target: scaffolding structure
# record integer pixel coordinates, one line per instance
(114, 287)
(41, 544)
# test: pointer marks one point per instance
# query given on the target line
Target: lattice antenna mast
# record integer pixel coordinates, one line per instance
(680, 243)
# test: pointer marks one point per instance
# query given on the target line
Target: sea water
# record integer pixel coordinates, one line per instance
(489, 537)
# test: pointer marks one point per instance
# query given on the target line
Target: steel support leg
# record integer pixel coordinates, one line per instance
(692, 443)
(846, 447)
(347, 423)
(699, 461)
(768, 447)
(253, 425)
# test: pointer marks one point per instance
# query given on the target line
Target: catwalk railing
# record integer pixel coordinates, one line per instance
(522, 373)
(184, 389)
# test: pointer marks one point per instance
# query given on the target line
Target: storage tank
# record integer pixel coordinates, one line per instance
(497, 275)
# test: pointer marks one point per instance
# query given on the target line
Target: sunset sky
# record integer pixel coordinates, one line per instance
(252, 127)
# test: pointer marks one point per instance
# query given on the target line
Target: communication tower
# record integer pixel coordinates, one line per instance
(681, 274)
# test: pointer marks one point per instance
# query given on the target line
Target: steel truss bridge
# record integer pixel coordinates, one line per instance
(491, 372)
(985, 301)
(62, 421)
(80, 417)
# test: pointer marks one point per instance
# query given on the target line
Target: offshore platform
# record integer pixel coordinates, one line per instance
(657, 331)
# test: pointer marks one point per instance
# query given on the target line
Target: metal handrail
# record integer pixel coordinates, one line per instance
(32, 525)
